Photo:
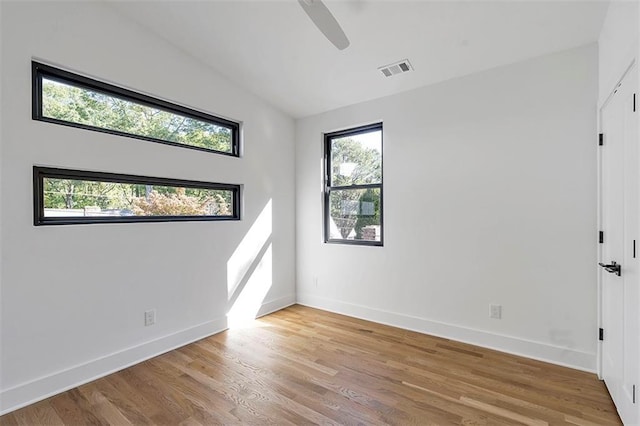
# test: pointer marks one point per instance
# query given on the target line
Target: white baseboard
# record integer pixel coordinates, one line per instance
(36, 390)
(563, 356)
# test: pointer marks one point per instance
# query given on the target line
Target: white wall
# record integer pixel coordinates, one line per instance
(617, 44)
(73, 297)
(489, 197)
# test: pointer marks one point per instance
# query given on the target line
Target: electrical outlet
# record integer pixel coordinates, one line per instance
(315, 282)
(496, 311)
(149, 317)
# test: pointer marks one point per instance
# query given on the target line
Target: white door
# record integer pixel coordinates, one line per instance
(620, 253)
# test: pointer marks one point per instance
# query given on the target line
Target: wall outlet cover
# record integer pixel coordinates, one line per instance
(496, 311)
(149, 317)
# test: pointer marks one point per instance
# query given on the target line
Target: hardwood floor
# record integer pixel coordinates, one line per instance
(303, 366)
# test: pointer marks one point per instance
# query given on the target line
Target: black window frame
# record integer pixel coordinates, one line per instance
(40, 70)
(328, 137)
(40, 173)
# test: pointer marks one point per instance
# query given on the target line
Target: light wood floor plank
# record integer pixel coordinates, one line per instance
(304, 366)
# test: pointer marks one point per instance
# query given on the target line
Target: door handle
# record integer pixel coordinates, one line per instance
(614, 268)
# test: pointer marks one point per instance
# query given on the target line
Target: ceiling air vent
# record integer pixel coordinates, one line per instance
(396, 68)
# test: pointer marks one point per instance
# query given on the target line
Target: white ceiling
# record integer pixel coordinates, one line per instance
(273, 49)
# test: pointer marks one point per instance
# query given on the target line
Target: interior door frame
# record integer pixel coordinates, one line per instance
(601, 106)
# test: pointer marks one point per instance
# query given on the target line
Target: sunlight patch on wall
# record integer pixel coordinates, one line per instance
(250, 272)
(245, 254)
(246, 306)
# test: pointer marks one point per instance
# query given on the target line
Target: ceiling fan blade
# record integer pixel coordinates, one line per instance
(324, 20)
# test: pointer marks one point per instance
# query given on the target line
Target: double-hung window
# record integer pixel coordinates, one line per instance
(353, 186)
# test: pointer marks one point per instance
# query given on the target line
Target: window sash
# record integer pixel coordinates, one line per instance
(42, 71)
(42, 173)
(341, 134)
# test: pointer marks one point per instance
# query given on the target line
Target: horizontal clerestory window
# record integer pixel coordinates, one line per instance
(69, 99)
(63, 197)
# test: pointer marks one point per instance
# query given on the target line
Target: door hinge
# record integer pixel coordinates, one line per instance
(601, 334)
(601, 237)
(634, 102)
(634, 249)
(601, 139)
(633, 393)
